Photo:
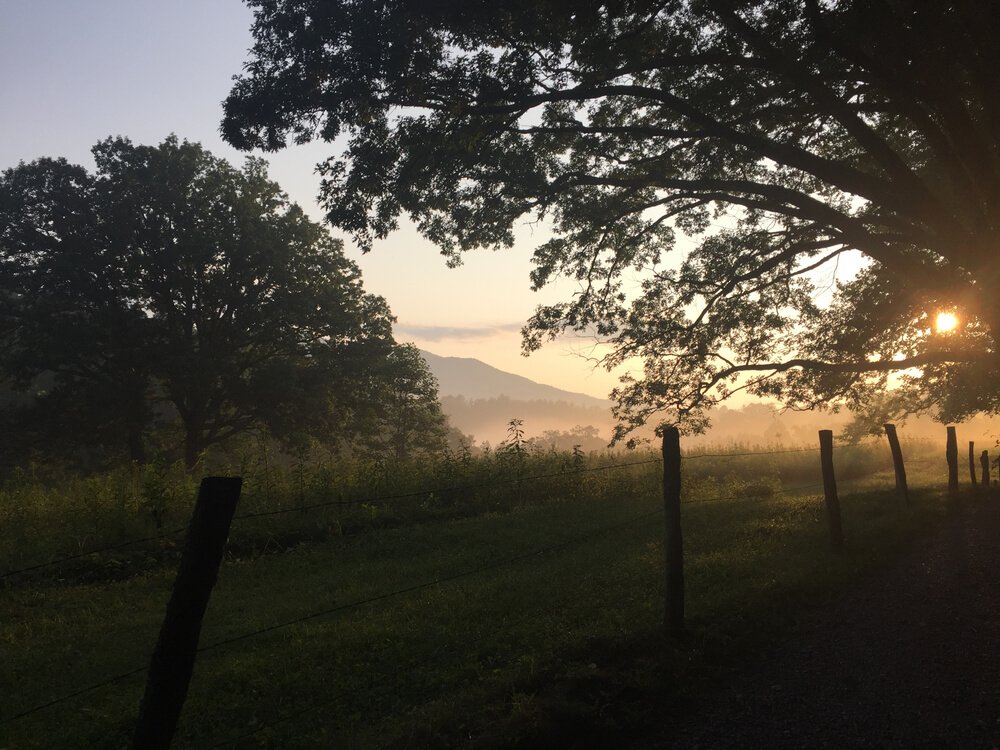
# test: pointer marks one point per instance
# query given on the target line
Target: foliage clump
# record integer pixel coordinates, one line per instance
(169, 298)
(705, 169)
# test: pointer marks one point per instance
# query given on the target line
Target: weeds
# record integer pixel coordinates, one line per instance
(506, 656)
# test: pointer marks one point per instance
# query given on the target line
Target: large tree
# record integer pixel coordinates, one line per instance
(170, 276)
(403, 415)
(766, 139)
(68, 339)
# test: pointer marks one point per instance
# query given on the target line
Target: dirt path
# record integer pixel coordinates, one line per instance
(909, 659)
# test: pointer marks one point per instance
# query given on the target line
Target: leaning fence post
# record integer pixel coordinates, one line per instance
(830, 489)
(984, 460)
(673, 543)
(897, 462)
(972, 462)
(172, 663)
(951, 453)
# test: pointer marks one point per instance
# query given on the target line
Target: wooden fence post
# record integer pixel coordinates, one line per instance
(897, 463)
(673, 547)
(830, 489)
(972, 462)
(172, 663)
(984, 461)
(951, 453)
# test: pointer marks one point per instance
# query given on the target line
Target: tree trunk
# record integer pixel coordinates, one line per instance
(134, 400)
(136, 447)
(192, 450)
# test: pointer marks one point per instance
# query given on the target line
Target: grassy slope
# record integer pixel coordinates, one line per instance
(558, 647)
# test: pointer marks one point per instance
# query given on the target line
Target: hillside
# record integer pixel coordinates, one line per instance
(480, 400)
(473, 379)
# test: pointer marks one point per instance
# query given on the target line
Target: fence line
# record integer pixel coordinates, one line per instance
(415, 587)
(409, 589)
(398, 496)
(331, 503)
(443, 490)
(387, 675)
(746, 453)
(74, 694)
(440, 580)
(96, 551)
(353, 605)
(405, 495)
(772, 493)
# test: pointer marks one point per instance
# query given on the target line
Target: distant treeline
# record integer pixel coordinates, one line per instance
(486, 418)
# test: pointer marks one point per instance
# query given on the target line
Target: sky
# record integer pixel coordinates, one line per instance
(73, 72)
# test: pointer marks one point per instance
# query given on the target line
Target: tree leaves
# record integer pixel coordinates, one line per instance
(171, 284)
(766, 139)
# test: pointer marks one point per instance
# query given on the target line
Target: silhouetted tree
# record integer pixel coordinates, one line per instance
(70, 337)
(579, 438)
(401, 415)
(171, 276)
(777, 135)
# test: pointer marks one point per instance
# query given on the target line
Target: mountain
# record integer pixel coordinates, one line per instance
(463, 376)
(480, 400)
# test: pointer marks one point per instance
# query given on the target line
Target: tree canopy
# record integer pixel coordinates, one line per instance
(763, 141)
(403, 415)
(169, 284)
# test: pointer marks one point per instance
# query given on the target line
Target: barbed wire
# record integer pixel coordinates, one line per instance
(747, 453)
(302, 508)
(419, 586)
(350, 605)
(425, 584)
(424, 492)
(388, 675)
(435, 581)
(95, 551)
(397, 496)
(74, 694)
(444, 490)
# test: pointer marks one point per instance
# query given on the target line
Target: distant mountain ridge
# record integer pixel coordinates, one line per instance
(480, 400)
(473, 379)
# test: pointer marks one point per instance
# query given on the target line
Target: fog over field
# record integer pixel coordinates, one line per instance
(479, 400)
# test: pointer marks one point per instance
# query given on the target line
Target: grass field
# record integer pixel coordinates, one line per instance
(505, 611)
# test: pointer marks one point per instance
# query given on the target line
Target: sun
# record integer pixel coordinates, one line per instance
(945, 322)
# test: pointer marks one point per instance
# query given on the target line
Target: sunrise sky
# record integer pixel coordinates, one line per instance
(72, 73)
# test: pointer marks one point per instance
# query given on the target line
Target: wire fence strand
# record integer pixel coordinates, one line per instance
(75, 694)
(338, 503)
(538, 551)
(500, 482)
(696, 456)
(95, 551)
(745, 496)
(494, 565)
(403, 496)
(351, 605)
(444, 490)
(392, 674)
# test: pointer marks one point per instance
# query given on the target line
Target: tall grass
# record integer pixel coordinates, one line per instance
(47, 518)
(285, 502)
(483, 601)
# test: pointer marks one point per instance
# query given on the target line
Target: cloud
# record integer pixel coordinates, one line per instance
(462, 333)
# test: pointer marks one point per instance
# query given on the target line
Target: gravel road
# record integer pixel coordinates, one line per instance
(908, 659)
